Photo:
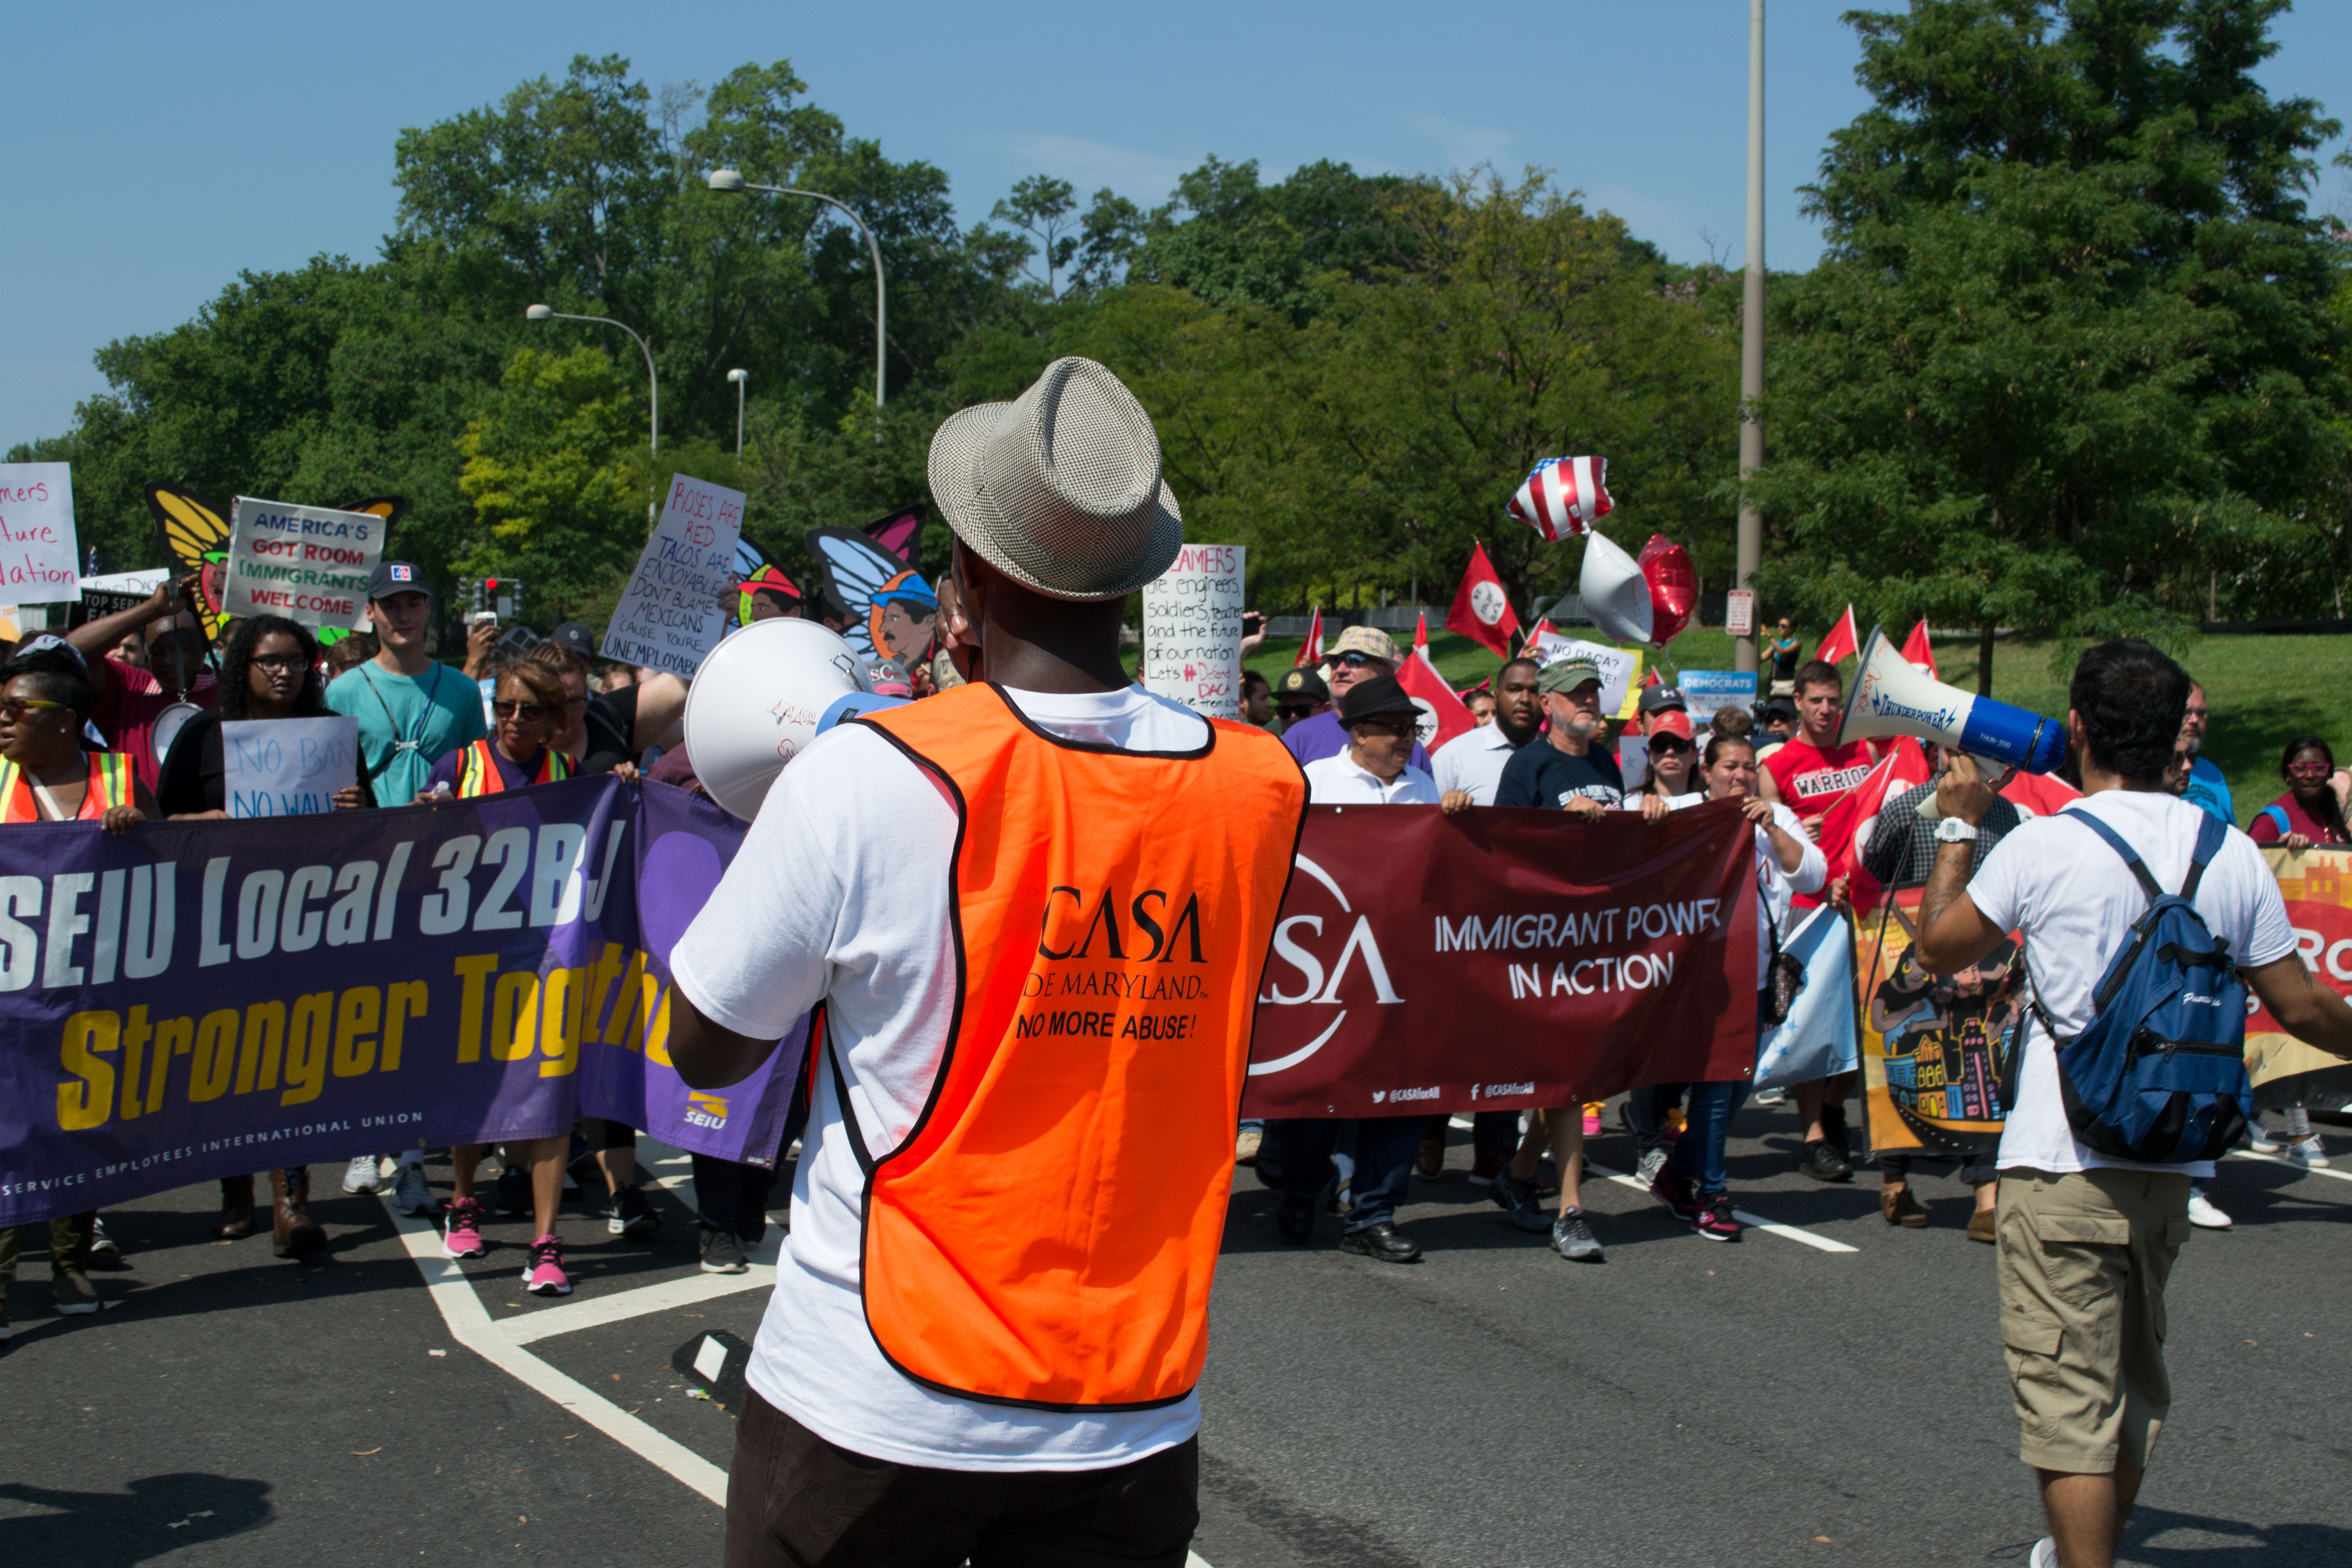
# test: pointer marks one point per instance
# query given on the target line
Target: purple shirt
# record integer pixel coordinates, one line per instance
(1312, 739)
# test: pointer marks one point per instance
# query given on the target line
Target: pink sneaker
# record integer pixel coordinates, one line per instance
(1714, 1220)
(461, 1230)
(543, 1275)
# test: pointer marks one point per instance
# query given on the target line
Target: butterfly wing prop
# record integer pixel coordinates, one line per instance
(196, 539)
(754, 570)
(900, 534)
(871, 584)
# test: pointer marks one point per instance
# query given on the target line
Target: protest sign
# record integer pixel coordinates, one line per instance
(309, 564)
(1192, 630)
(1706, 691)
(287, 767)
(194, 1000)
(1932, 1048)
(2318, 886)
(37, 547)
(1503, 960)
(1621, 669)
(670, 618)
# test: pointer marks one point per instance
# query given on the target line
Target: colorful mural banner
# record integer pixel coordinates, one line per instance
(1932, 1049)
(1505, 959)
(194, 1000)
(2317, 885)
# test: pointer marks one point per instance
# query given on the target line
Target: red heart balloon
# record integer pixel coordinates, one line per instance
(1674, 587)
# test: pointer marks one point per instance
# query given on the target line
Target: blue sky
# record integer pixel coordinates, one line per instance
(153, 151)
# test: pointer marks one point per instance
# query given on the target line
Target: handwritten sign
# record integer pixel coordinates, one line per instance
(37, 533)
(287, 767)
(1621, 669)
(308, 563)
(669, 617)
(1192, 630)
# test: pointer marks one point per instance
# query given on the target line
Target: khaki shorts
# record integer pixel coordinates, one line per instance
(2083, 1258)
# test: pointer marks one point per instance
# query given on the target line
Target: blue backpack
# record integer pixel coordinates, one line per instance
(2159, 1074)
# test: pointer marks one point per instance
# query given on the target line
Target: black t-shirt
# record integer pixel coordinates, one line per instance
(193, 776)
(1540, 775)
(612, 719)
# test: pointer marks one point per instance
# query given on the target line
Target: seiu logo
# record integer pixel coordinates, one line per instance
(706, 1110)
(1145, 913)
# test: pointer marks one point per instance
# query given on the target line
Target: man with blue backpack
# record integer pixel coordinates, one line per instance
(2144, 920)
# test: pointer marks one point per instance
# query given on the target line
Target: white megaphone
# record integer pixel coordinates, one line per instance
(757, 700)
(1891, 696)
(1615, 594)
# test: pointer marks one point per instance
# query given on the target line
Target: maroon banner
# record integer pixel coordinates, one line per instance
(1505, 959)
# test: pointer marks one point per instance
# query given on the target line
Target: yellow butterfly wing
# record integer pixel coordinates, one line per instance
(195, 537)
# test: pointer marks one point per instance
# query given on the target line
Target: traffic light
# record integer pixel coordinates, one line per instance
(501, 595)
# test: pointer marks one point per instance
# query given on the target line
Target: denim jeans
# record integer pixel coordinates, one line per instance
(1382, 1167)
(1697, 1155)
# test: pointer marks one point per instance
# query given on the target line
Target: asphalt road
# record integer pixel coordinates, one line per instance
(1680, 1403)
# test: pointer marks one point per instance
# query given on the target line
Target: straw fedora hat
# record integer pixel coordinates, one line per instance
(1061, 488)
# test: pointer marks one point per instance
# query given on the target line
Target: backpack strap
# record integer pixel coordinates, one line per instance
(2131, 857)
(2210, 832)
(2278, 820)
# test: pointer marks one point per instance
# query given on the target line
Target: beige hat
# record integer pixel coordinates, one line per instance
(1367, 641)
(1061, 488)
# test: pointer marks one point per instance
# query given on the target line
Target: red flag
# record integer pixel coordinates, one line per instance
(1481, 611)
(1904, 766)
(1310, 652)
(1916, 649)
(1444, 715)
(2038, 794)
(1536, 633)
(1840, 643)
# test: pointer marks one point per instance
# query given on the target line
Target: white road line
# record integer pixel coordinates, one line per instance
(622, 1305)
(2291, 1164)
(1756, 1222)
(470, 1325)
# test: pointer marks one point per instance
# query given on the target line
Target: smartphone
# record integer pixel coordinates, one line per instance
(478, 617)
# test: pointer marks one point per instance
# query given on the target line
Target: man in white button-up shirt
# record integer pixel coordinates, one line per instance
(1373, 770)
(1471, 765)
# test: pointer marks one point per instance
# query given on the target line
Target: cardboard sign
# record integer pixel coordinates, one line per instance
(287, 767)
(37, 533)
(1706, 691)
(309, 564)
(1620, 670)
(1192, 630)
(670, 618)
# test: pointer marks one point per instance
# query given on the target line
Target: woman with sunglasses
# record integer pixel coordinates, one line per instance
(1673, 761)
(529, 708)
(269, 670)
(45, 774)
(2309, 812)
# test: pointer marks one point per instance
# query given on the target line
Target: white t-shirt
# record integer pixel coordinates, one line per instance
(840, 894)
(1336, 780)
(1776, 889)
(2074, 901)
(1474, 762)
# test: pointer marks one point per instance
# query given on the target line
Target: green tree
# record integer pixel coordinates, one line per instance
(2069, 353)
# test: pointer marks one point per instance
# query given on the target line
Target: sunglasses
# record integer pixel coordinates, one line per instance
(1669, 748)
(1358, 660)
(526, 711)
(16, 708)
(1294, 710)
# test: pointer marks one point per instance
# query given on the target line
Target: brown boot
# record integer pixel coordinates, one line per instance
(236, 1208)
(291, 1231)
(1900, 1207)
(1981, 1226)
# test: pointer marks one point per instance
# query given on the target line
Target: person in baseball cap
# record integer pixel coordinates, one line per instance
(572, 636)
(390, 578)
(412, 711)
(1661, 699)
(1361, 653)
(1299, 695)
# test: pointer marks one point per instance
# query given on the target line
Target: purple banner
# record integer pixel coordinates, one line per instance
(196, 1000)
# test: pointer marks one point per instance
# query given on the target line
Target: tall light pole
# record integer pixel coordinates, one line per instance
(741, 378)
(653, 377)
(1751, 339)
(730, 182)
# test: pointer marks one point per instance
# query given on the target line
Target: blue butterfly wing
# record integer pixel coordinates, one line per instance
(855, 570)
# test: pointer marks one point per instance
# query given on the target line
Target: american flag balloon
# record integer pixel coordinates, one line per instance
(1563, 496)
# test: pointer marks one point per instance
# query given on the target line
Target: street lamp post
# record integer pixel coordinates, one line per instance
(1751, 340)
(741, 378)
(730, 182)
(653, 377)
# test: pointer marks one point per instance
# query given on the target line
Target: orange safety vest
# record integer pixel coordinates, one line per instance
(1049, 1231)
(477, 770)
(109, 784)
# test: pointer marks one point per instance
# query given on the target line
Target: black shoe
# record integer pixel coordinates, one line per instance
(1296, 1220)
(512, 1194)
(1269, 1172)
(1516, 1199)
(628, 1214)
(1833, 1127)
(721, 1253)
(1382, 1240)
(1822, 1161)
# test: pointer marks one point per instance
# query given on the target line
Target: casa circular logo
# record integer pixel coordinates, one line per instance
(1486, 603)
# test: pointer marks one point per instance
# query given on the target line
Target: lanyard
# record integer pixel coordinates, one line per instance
(400, 744)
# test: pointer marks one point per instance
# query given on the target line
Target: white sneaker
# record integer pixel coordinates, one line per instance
(103, 1244)
(1776, 1095)
(2309, 1152)
(2046, 1555)
(359, 1176)
(2258, 1137)
(2203, 1215)
(410, 1194)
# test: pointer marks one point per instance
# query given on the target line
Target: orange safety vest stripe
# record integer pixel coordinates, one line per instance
(108, 785)
(1048, 1232)
(479, 774)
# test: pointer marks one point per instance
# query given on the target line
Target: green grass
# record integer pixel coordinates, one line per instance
(2264, 690)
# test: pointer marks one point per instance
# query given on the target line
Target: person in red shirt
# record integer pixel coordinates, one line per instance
(1808, 776)
(129, 700)
(2308, 813)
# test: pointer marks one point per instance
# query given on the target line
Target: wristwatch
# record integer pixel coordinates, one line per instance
(1954, 830)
